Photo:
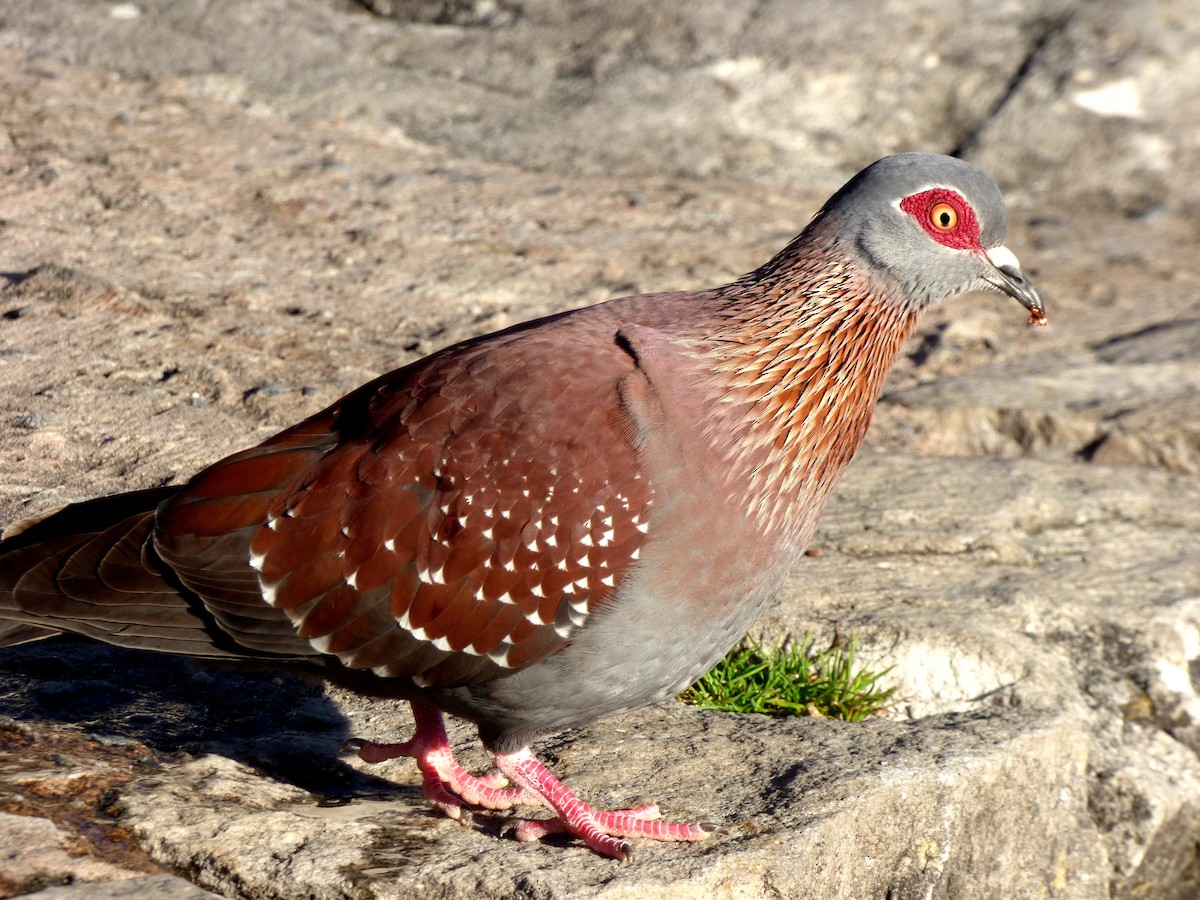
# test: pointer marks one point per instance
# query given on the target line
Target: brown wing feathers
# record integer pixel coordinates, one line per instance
(57, 576)
(443, 523)
(464, 519)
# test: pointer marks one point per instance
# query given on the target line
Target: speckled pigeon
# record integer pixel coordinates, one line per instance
(564, 520)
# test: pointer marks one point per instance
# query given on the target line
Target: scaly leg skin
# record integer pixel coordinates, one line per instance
(599, 829)
(447, 785)
(451, 788)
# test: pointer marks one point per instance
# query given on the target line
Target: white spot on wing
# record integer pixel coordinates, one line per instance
(322, 643)
(499, 654)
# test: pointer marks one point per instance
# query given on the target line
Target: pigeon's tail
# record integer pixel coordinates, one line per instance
(91, 569)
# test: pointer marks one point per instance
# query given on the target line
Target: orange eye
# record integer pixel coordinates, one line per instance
(943, 217)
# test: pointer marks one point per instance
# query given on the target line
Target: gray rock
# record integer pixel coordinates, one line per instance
(775, 91)
(145, 887)
(35, 852)
(1033, 586)
(812, 809)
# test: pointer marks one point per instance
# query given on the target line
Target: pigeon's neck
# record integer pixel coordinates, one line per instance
(795, 375)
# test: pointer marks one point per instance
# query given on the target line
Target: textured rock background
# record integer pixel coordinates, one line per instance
(217, 217)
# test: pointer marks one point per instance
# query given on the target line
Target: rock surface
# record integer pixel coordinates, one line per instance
(216, 218)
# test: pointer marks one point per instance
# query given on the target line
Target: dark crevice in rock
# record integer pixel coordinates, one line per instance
(1048, 30)
(463, 13)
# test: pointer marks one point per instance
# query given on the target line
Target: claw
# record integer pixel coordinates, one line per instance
(599, 829)
(447, 785)
(453, 790)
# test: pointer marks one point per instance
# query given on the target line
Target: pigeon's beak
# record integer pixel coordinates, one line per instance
(1006, 275)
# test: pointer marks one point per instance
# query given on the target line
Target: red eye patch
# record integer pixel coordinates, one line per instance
(946, 217)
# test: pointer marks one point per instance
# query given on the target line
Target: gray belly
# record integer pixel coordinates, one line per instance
(672, 621)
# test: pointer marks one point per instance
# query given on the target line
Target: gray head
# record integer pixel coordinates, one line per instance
(930, 225)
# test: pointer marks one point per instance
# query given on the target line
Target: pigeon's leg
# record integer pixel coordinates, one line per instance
(600, 829)
(447, 785)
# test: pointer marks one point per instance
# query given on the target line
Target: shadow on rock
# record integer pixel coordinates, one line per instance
(272, 719)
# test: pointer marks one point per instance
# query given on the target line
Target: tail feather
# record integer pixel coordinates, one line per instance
(91, 569)
(15, 633)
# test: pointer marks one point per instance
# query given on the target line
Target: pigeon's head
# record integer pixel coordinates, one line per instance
(930, 226)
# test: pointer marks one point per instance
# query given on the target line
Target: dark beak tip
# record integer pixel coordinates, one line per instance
(1005, 275)
(1014, 283)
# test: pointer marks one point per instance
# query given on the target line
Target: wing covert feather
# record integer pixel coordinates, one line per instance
(471, 528)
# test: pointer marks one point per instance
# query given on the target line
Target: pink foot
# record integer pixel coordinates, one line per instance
(601, 830)
(452, 789)
(447, 785)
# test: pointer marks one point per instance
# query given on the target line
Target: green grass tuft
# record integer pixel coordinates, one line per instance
(791, 680)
